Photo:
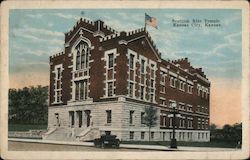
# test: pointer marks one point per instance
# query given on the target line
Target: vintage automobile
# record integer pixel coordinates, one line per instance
(107, 141)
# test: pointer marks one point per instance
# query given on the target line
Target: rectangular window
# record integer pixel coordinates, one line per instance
(162, 89)
(142, 117)
(162, 77)
(162, 102)
(81, 90)
(170, 122)
(131, 113)
(58, 96)
(152, 135)
(151, 97)
(77, 84)
(131, 135)
(111, 60)
(142, 92)
(164, 121)
(58, 73)
(131, 89)
(142, 135)
(152, 83)
(172, 82)
(109, 116)
(131, 61)
(142, 66)
(110, 89)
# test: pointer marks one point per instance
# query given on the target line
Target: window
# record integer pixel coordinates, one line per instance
(110, 89)
(81, 90)
(77, 84)
(131, 89)
(131, 61)
(172, 82)
(83, 59)
(142, 117)
(170, 122)
(131, 113)
(151, 97)
(162, 102)
(142, 135)
(152, 135)
(57, 85)
(111, 60)
(58, 73)
(142, 66)
(142, 92)
(109, 116)
(58, 96)
(190, 89)
(82, 53)
(162, 89)
(198, 135)
(131, 135)
(162, 77)
(78, 59)
(152, 83)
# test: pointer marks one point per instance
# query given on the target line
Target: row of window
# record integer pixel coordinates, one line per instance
(203, 93)
(181, 106)
(131, 116)
(202, 109)
(182, 122)
(181, 135)
(202, 123)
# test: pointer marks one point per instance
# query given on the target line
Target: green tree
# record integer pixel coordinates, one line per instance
(28, 105)
(150, 119)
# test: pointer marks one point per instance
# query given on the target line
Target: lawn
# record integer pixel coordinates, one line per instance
(26, 127)
(221, 144)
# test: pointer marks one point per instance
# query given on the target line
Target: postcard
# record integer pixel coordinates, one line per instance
(124, 80)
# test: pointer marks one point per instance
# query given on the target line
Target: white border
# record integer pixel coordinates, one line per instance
(7, 5)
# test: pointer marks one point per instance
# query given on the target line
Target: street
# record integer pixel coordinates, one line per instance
(29, 146)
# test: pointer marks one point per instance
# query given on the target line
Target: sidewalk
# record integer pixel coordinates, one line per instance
(131, 146)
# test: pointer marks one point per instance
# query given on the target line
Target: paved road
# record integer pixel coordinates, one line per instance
(27, 146)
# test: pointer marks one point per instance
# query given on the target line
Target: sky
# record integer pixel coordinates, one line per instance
(34, 35)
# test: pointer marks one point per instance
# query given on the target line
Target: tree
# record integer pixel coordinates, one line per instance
(150, 118)
(228, 133)
(28, 105)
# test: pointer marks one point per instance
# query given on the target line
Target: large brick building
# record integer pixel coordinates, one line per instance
(104, 79)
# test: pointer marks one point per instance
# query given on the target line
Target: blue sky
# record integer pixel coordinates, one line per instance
(36, 34)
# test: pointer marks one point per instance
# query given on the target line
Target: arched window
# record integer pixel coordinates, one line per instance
(82, 57)
(78, 58)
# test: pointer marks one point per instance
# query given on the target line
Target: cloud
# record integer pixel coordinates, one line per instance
(67, 16)
(37, 16)
(34, 35)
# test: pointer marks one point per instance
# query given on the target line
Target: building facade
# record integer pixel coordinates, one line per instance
(104, 79)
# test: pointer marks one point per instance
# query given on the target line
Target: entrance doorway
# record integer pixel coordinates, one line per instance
(79, 115)
(88, 117)
(72, 118)
(57, 119)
